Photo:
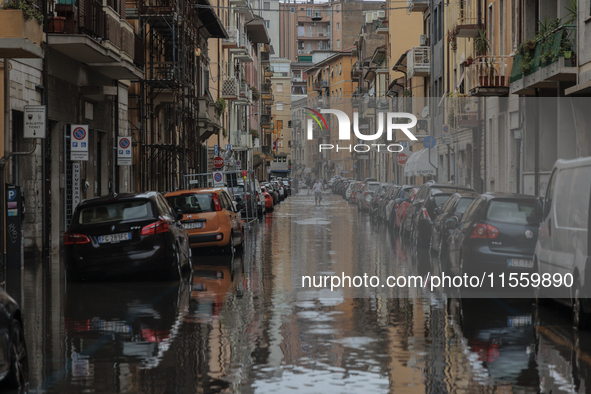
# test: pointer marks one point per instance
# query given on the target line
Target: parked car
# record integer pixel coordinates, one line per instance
(422, 210)
(403, 206)
(269, 204)
(398, 196)
(455, 207)
(126, 234)
(563, 243)
(383, 202)
(244, 194)
(261, 206)
(271, 190)
(369, 189)
(377, 197)
(357, 192)
(498, 232)
(349, 190)
(14, 371)
(209, 217)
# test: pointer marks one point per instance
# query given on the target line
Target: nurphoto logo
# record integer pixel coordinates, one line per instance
(391, 119)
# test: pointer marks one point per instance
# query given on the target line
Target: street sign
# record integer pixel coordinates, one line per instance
(228, 147)
(429, 142)
(215, 150)
(354, 165)
(402, 158)
(75, 185)
(123, 151)
(445, 141)
(445, 129)
(34, 121)
(238, 164)
(218, 162)
(404, 144)
(79, 142)
(268, 169)
(218, 179)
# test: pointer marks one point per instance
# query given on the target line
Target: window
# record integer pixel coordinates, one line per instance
(338, 9)
(279, 87)
(340, 69)
(267, 24)
(279, 106)
(266, 5)
(309, 11)
(338, 44)
(338, 26)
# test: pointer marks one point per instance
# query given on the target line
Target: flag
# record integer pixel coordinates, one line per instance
(275, 144)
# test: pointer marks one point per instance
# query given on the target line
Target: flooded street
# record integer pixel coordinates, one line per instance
(244, 324)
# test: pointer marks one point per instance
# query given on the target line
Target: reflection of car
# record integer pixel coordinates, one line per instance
(210, 285)
(364, 199)
(271, 190)
(453, 207)
(268, 199)
(498, 232)
(209, 217)
(563, 244)
(14, 369)
(402, 207)
(126, 234)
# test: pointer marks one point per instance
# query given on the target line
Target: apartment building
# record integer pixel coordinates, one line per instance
(280, 165)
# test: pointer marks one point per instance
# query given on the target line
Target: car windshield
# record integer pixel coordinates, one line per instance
(236, 189)
(463, 204)
(513, 212)
(374, 186)
(119, 211)
(192, 203)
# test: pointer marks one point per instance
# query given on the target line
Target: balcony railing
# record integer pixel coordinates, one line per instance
(92, 19)
(314, 35)
(266, 88)
(230, 88)
(245, 93)
(418, 62)
(489, 72)
(233, 38)
(321, 84)
(462, 111)
(462, 16)
(417, 5)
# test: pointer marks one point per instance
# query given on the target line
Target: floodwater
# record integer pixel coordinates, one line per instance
(244, 325)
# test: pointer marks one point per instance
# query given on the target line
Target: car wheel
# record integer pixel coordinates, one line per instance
(581, 319)
(229, 249)
(19, 360)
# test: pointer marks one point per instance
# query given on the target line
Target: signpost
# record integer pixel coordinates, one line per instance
(34, 121)
(218, 162)
(123, 151)
(402, 158)
(218, 179)
(238, 164)
(79, 143)
(429, 142)
(75, 185)
(215, 150)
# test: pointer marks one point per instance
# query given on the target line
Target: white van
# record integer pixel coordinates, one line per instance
(562, 250)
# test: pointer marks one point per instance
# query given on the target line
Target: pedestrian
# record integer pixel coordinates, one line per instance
(452, 180)
(318, 189)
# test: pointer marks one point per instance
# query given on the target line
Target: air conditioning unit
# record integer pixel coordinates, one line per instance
(423, 40)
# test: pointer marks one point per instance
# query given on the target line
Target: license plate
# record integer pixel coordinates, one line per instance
(519, 321)
(114, 238)
(520, 263)
(193, 225)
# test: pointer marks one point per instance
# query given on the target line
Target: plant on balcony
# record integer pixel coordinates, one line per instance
(254, 133)
(406, 93)
(29, 11)
(256, 95)
(571, 9)
(482, 43)
(224, 132)
(220, 106)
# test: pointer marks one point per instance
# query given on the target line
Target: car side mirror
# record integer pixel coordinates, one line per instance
(179, 214)
(437, 211)
(451, 223)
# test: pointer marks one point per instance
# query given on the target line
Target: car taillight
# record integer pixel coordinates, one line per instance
(484, 231)
(216, 203)
(258, 198)
(161, 226)
(75, 239)
(425, 214)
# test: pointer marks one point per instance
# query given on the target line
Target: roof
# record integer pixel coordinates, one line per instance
(117, 197)
(493, 195)
(194, 191)
(328, 60)
(257, 32)
(211, 20)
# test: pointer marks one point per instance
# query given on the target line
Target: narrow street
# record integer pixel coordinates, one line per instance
(243, 324)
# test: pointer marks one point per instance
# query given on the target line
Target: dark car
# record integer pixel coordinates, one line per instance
(377, 197)
(124, 235)
(243, 193)
(423, 209)
(498, 232)
(384, 200)
(14, 368)
(454, 207)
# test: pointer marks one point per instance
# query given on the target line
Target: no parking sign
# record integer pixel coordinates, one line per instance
(124, 151)
(218, 179)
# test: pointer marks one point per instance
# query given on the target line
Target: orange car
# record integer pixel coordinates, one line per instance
(209, 217)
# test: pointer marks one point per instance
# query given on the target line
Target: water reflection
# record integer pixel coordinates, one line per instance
(236, 325)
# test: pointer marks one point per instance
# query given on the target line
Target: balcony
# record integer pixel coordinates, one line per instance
(209, 120)
(490, 75)
(266, 118)
(268, 72)
(233, 39)
(356, 71)
(462, 111)
(417, 5)
(239, 140)
(358, 95)
(265, 56)
(462, 16)
(546, 62)
(266, 92)
(418, 62)
(244, 50)
(319, 85)
(230, 88)
(314, 36)
(382, 27)
(19, 38)
(244, 94)
(93, 34)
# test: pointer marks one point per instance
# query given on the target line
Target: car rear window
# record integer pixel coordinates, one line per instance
(441, 199)
(192, 203)
(237, 189)
(374, 186)
(115, 212)
(513, 212)
(463, 204)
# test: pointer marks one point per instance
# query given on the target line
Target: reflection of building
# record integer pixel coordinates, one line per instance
(281, 112)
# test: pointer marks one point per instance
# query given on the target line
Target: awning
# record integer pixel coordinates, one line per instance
(422, 163)
(257, 32)
(307, 170)
(211, 20)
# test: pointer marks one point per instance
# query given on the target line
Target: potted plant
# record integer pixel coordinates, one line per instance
(482, 43)
(256, 95)
(469, 60)
(29, 12)
(254, 133)
(220, 106)
(57, 24)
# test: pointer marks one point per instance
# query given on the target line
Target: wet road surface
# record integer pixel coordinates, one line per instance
(245, 325)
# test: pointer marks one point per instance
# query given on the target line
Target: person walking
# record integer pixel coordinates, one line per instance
(318, 189)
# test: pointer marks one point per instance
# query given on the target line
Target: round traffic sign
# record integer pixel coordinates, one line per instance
(429, 141)
(124, 143)
(217, 177)
(445, 128)
(244, 173)
(218, 162)
(402, 158)
(79, 133)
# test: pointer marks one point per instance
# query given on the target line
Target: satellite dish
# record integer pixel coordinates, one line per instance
(425, 112)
